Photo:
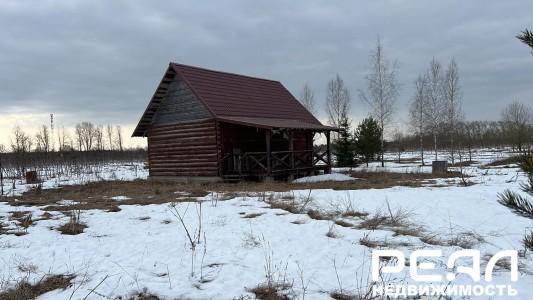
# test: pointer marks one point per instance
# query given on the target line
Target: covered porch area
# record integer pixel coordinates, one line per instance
(266, 149)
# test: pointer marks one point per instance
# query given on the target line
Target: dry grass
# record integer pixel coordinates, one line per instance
(288, 205)
(23, 218)
(74, 226)
(465, 163)
(24, 290)
(354, 214)
(299, 222)
(97, 195)
(365, 241)
(503, 162)
(317, 215)
(392, 219)
(271, 291)
(433, 239)
(407, 231)
(252, 215)
(144, 295)
(465, 240)
(343, 223)
(377, 180)
(337, 295)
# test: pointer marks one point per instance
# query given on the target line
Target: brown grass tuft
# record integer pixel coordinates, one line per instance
(74, 225)
(24, 290)
(337, 295)
(343, 223)
(271, 291)
(252, 215)
(317, 215)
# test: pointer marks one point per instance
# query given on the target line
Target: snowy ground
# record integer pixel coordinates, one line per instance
(115, 171)
(121, 253)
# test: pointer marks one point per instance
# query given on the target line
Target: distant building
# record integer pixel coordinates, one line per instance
(210, 125)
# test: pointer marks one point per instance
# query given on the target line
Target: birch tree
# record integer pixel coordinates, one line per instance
(337, 101)
(417, 114)
(307, 98)
(435, 108)
(118, 138)
(381, 91)
(109, 134)
(453, 107)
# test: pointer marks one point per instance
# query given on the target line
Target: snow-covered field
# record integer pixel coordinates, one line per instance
(243, 239)
(114, 171)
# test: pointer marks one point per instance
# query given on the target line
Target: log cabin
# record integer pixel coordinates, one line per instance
(205, 125)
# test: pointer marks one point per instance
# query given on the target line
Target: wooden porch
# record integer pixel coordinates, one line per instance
(282, 164)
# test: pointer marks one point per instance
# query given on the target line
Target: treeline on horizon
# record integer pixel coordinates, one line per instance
(436, 120)
(86, 149)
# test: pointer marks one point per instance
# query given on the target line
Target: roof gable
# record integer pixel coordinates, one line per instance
(227, 95)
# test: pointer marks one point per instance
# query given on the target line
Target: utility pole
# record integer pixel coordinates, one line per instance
(1, 175)
(52, 139)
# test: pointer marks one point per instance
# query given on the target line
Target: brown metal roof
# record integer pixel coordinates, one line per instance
(237, 95)
(238, 98)
(275, 123)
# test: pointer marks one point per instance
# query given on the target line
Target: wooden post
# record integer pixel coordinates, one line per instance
(328, 149)
(268, 137)
(291, 154)
(291, 147)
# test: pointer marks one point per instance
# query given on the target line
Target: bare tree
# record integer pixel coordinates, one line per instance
(517, 119)
(63, 139)
(79, 136)
(435, 107)
(118, 138)
(337, 101)
(398, 138)
(99, 137)
(85, 135)
(307, 98)
(382, 90)
(453, 107)
(109, 133)
(21, 142)
(43, 139)
(417, 110)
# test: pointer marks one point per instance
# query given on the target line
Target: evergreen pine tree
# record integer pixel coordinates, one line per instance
(344, 148)
(526, 37)
(368, 139)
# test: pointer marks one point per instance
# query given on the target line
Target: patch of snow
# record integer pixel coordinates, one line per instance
(120, 198)
(325, 177)
(67, 202)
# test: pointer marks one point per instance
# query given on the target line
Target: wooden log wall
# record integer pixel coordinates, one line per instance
(183, 149)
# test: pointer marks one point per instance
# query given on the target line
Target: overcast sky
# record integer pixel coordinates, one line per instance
(101, 60)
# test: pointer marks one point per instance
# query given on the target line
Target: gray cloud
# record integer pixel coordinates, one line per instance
(101, 60)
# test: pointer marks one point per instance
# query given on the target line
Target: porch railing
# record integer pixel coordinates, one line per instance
(258, 163)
